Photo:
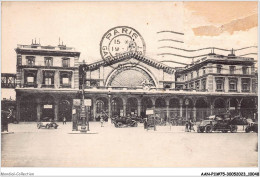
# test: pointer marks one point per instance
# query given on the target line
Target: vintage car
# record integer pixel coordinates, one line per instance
(150, 122)
(47, 123)
(124, 122)
(217, 123)
(252, 127)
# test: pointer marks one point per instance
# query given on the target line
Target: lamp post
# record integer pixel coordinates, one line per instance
(187, 103)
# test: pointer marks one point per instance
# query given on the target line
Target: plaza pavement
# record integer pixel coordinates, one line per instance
(108, 146)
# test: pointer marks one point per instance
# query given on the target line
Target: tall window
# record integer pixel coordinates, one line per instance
(197, 73)
(245, 70)
(48, 79)
(48, 61)
(245, 84)
(232, 69)
(219, 67)
(30, 78)
(197, 85)
(65, 79)
(204, 70)
(232, 85)
(100, 106)
(191, 75)
(66, 62)
(203, 85)
(220, 84)
(186, 77)
(30, 60)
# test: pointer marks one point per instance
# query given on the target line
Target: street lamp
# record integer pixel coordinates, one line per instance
(187, 102)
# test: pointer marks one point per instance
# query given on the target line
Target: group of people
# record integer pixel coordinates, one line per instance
(189, 126)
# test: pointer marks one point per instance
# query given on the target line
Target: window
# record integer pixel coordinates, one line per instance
(203, 85)
(232, 69)
(65, 79)
(48, 61)
(219, 67)
(30, 78)
(232, 85)
(186, 77)
(198, 73)
(197, 85)
(245, 70)
(100, 106)
(66, 62)
(30, 60)
(191, 85)
(48, 79)
(204, 70)
(245, 84)
(191, 75)
(220, 84)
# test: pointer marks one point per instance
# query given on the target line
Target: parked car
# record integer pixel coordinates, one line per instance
(124, 122)
(217, 123)
(252, 127)
(47, 123)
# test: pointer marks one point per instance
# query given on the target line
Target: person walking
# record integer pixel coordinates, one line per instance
(102, 121)
(64, 120)
(187, 126)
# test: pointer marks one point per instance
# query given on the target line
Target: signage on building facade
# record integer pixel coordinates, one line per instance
(120, 40)
(149, 112)
(87, 102)
(47, 106)
(76, 102)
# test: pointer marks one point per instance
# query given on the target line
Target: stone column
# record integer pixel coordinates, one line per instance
(167, 109)
(124, 106)
(153, 101)
(139, 104)
(194, 113)
(56, 109)
(239, 108)
(94, 108)
(57, 79)
(109, 108)
(211, 108)
(38, 108)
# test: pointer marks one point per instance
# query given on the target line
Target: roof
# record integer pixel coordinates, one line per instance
(129, 55)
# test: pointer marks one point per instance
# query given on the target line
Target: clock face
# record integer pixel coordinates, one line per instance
(120, 40)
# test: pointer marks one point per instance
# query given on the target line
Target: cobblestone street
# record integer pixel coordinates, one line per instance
(125, 147)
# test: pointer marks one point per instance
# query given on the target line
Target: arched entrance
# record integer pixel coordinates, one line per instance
(131, 107)
(146, 104)
(248, 108)
(233, 107)
(219, 106)
(117, 106)
(174, 106)
(48, 107)
(101, 106)
(160, 107)
(28, 108)
(65, 109)
(202, 109)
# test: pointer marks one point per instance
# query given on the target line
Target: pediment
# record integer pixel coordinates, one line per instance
(131, 57)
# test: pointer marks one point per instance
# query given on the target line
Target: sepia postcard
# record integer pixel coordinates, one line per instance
(130, 84)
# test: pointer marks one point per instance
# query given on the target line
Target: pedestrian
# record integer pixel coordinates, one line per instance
(191, 126)
(187, 126)
(64, 120)
(101, 121)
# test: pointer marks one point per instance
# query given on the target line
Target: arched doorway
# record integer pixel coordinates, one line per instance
(233, 109)
(249, 108)
(101, 106)
(117, 106)
(160, 107)
(146, 104)
(174, 107)
(28, 109)
(202, 109)
(47, 107)
(65, 109)
(131, 107)
(219, 106)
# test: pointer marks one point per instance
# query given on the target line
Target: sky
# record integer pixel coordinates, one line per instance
(82, 25)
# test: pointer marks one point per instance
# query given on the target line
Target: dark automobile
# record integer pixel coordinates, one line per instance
(150, 122)
(47, 123)
(217, 123)
(124, 122)
(252, 127)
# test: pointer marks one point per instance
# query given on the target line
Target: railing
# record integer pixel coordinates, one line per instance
(65, 86)
(47, 86)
